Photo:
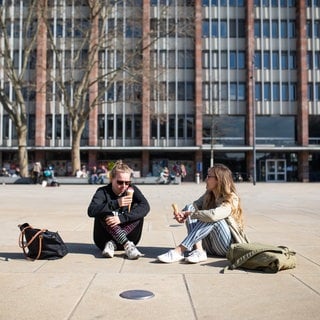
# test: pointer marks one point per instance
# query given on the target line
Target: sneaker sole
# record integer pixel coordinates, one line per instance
(107, 255)
(194, 262)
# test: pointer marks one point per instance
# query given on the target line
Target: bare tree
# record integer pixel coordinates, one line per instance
(14, 64)
(80, 84)
(83, 84)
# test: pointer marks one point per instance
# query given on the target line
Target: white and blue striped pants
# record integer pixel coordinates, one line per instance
(216, 236)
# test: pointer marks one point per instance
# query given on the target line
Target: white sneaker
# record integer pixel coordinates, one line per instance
(131, 251)
(108, 251)
(196, 256)
(170, 257)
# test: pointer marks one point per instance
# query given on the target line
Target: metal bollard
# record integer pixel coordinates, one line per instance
(197, 177)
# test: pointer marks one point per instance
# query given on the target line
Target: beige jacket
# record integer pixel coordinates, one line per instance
(222, 211)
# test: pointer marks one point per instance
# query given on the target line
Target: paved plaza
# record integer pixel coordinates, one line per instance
(83, 285)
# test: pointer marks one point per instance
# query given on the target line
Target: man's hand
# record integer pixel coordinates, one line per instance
(112, 221)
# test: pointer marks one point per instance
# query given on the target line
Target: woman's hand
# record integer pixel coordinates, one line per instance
(125, 201)
(112, 221)
(181, 216)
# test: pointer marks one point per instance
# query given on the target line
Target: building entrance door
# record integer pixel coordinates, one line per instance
(276, 170)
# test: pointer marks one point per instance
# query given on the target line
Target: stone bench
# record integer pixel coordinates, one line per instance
(74, 180)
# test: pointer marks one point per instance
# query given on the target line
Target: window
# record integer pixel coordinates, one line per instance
(292, 60)
(241, 60)
(284, 91)
(316, 29)
(276, 91)
(284, 60)
(266, 60)
(233, 60)
(237, 60)
(309, 28)
(275, 29)
(283, 29)
(257, 60)
(205, 29)
(223, 29)
(258, 91)
(283, 129)
(228, 130)
(49, 126)
(257, 29)
(314, 127)
(292, 29)
(237, 91)
(266, 29)
(292, 92)
(275, 60)
(266, 91)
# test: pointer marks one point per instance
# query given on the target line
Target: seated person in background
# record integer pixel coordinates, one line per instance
(93, 179)
(118, 216)
(102, 174)
(164, 176)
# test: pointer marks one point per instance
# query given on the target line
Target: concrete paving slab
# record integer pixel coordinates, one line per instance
(83, 285)
(31, 295)
(252, 296)
(102, 300)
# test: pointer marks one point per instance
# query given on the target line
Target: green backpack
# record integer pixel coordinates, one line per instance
(261, 257)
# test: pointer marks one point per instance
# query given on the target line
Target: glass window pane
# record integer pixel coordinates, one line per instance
(233, 60)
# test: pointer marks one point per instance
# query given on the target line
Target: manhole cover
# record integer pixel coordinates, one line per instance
(137, 294)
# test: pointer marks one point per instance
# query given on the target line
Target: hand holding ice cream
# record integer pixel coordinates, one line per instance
(130, 192)
(176, 214)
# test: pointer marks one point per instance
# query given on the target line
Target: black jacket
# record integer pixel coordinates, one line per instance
(105, 203)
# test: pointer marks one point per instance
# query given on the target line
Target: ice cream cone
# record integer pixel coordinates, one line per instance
(175, 209)
(130, 192)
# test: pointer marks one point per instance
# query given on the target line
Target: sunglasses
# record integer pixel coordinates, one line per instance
(120, 183)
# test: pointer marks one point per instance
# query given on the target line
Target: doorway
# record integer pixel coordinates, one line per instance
(276, 170)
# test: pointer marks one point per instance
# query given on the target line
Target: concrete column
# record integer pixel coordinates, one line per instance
(145, 163)
(41, 78)
(94, 74)
(198, 73)
(145, 78)
(303, 166)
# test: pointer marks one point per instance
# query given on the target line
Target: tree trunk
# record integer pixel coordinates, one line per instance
(75, 152)
(23, 153)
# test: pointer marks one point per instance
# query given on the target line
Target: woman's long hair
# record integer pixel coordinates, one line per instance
(224, 191)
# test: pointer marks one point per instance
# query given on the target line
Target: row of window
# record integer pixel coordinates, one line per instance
(184, 59)
(262, 60)
(275, 60)
(221, 3)
(285, 91)
(184, 91)
(234, 91)
(275, 28)
(224, 91)
(257, 3)
(223, 129)
(215, 28)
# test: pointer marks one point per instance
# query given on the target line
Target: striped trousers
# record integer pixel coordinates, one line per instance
(216, 236)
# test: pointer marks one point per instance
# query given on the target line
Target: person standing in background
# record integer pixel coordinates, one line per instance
(36, 172)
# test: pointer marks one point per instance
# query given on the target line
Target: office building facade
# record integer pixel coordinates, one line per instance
(230, 81)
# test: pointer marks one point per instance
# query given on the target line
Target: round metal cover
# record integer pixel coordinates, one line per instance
(137, 294)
